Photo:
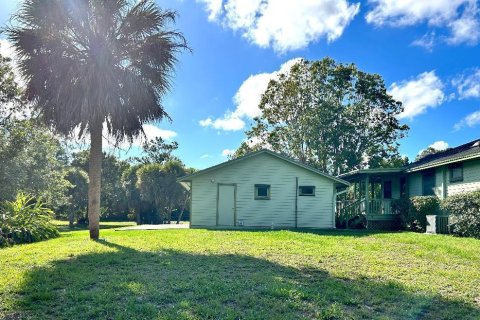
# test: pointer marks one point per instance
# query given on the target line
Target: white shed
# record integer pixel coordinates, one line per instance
(262, 189)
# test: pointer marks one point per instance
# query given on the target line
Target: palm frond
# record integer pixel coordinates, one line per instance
(87, 60)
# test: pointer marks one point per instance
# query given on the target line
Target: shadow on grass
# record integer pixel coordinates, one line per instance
(66, 228)
(130, 284)
(325, 232)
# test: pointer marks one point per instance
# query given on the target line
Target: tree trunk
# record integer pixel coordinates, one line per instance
(71, 219)
(95, 176)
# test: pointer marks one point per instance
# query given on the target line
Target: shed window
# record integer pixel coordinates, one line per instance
(456, 173)
(428, 183)
(262, 192)
(306, 191)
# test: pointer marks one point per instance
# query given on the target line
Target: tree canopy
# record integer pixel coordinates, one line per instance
(329, 115)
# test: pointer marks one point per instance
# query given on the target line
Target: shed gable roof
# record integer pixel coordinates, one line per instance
(256, 153)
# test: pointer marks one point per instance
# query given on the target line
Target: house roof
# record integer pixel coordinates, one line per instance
(359, 172)
(256, 153)
(467, 151)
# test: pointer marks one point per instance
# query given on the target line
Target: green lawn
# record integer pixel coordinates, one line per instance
(198, 274)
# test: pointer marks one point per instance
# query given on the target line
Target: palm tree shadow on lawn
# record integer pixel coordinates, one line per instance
(168, 284)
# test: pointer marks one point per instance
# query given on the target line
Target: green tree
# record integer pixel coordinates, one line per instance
(132, 193)
(90, 62)
(31, 160)
(329, 115)
(158, 184)
(77, 193)
(426, 152)
(113, 200)
(158, 151)
(10, 93)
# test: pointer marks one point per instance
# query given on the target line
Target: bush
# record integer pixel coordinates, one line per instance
(25, 220)
(464, 210)
(413, 211)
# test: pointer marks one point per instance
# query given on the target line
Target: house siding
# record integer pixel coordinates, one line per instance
(471, 179)
(279, 211)
(415, 184)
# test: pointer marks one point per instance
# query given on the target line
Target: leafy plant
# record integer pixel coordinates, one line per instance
(465, 213)
(414, 219)
(24, 220)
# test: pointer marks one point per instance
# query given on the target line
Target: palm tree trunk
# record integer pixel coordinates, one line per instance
(95, 176)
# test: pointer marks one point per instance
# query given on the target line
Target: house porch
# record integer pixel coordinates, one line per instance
(370, 197)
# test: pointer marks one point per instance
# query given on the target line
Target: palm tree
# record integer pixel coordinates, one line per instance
(87, 63)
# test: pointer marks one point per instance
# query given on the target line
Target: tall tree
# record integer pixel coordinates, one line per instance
(31, 161)
(329, 115)
(11, 98)
(158, 185)
(426, 152)
(89, 62)
(158, 151)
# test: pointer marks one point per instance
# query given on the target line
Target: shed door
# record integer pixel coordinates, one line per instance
(226, 205)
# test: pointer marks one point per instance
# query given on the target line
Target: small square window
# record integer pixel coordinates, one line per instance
(262, 192)
(306, 191)
(456, 173)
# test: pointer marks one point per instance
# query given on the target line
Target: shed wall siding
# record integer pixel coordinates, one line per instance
(279, 211)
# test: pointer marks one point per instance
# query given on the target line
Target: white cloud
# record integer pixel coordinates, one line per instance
(439, 145)
(466, 29)
(230, 122)
(227, 152)
(246, 100)
(213, 7)
(460, 17)
(205, 156)
(151, 132)
(283, 25)
(427, 41)
(468, 85)
(470, 120)
(418, 94)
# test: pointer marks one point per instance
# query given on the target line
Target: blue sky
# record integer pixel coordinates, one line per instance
(427, 52)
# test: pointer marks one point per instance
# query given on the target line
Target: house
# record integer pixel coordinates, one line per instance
(450, 172)
(262, 189)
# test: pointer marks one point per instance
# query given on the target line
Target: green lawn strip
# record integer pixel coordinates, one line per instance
(198, 274)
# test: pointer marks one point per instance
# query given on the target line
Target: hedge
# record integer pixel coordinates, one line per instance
(464, 211)
(413, 211)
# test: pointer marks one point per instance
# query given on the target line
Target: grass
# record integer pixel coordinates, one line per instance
(200, 274)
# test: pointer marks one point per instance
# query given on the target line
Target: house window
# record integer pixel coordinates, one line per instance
(387, 189)
(262, 192)
(428, 183)
(456, 172)
(403, 187)
(306, 191)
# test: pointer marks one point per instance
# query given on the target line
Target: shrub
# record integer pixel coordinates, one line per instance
(465, 213)
(25, 220)
(413, 213)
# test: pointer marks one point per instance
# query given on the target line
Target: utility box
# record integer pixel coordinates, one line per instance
(437, 224)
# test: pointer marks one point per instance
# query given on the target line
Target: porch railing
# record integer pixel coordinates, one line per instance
(380, 206)
(346, 210)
